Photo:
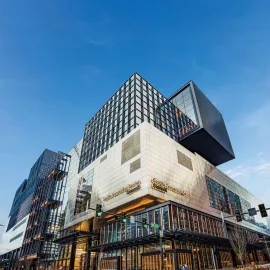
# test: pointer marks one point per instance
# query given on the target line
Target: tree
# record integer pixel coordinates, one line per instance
(238, 240)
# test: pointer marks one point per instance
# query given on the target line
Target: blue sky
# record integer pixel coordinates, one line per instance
(61, 60)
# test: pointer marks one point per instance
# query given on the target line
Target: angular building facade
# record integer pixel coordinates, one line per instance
(209, 125)
(155, 159)
(148, 159)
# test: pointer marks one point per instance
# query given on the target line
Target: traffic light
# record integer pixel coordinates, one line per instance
(263, 210)
(238, 215)
(144, 223)
(6, 262)
(98, 210)
(123, 217)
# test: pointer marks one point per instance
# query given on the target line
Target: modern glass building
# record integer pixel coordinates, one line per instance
(187, 116)
(46, 215)
(154, 159)
(135, 102)
(35, 214)
(23, 197)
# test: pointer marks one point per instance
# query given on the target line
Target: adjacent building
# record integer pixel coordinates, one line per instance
(15, 229)
(154, 159)
(36, 214)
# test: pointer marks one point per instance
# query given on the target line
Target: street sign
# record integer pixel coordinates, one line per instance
(252, 212)
(154, 225)
(161, 233)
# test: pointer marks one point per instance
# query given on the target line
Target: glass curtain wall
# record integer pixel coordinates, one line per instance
(172, 217)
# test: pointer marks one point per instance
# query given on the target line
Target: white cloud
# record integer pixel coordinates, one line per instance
(259, 154)
(263, 168)
(257, 121)
(236, 172)
(245, 172)
(94, 42)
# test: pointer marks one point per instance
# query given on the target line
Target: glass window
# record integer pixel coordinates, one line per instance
(139, 225)
(175, 217)
(138, 88)
(128, 229)
(165, 217)
(118, 231)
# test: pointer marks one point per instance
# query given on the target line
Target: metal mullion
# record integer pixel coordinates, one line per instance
(178, 219)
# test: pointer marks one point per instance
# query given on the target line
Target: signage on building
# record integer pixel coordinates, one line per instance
(130, 189)
(164, 187)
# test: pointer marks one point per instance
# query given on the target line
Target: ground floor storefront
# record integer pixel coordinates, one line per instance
(174, 255)
(189, 237)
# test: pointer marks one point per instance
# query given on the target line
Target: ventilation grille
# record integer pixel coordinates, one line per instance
(16, 237)
(19, 224)
(184, 160)
(103, 158)
(135, 165)
(131, 147)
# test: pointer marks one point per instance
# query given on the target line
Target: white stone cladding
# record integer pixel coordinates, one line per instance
(158, 154)
(13, 238)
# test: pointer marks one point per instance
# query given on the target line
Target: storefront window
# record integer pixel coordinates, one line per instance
(118, 232)
(151, 220)
(110, 233)
(128, 228)
(175, 217)
(157, 216)
(165, 217)
(123, 238)
(133, 230)
(80, 256)
(139, 225)
(114, 231)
